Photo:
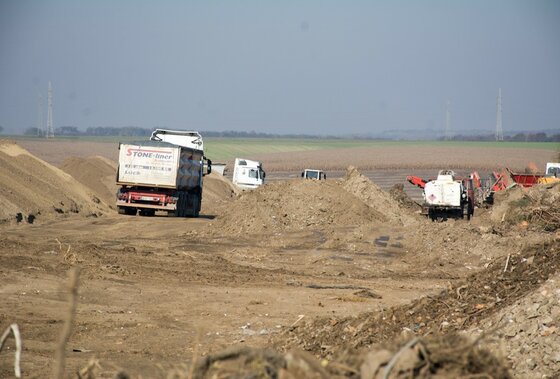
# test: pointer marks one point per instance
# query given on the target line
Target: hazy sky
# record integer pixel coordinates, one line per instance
(318, 67)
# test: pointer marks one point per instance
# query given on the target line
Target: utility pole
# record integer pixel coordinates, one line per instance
(40, 130)
(447, 135)
(50, 128)
(499, 130)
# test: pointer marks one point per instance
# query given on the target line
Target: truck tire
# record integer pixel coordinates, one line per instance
(182, 206)
(195, 205)
(127, 211)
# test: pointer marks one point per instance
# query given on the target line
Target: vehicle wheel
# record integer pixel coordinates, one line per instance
(431, 215)
(195, 205)
(127, 211)
(181, 205)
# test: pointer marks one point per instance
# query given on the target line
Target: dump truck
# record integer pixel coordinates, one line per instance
(313, 174)
(165, 176)
(248, 174)
(448, 196)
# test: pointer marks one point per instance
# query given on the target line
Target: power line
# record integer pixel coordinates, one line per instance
(499, 130)
(50, 128)
(40, 125)
(447, 135)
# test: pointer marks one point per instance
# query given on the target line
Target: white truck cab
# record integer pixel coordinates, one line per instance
(313, 174)
(552, 169)
(248, 173)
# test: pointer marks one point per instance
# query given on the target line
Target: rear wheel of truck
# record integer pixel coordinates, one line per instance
(470, 211)
(126, 211)
(195, 198)
(183, 204)
(179, 206)
(431, 214)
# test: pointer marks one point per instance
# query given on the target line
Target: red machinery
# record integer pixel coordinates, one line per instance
(417, 181)
(525, 180)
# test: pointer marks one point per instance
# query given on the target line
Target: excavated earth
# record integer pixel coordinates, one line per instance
(295, 279)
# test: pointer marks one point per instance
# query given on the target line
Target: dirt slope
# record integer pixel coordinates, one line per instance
(364, 189)
(217, 189)
(295, 205)
(38, 190)
(96, 173)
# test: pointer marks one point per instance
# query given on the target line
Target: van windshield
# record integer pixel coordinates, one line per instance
(253, 174)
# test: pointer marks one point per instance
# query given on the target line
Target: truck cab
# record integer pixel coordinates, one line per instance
(248, 174)
(552, 169)
(313, 174)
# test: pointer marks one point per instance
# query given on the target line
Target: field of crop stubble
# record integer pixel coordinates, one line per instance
(385, 162)
(284, 155)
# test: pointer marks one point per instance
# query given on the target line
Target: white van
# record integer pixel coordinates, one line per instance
(314, 174)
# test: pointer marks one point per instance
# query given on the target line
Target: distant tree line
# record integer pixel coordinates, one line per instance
(253, 134)
(518, 137)
(134, 131)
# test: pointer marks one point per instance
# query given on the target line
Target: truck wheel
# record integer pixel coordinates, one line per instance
(127, 211)
(195, 205)
(198, 206)
(470, 210)
(181, 205)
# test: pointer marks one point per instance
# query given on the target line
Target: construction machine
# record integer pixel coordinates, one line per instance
(449, 196)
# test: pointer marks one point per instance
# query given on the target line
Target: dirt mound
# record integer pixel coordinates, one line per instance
(401, 197)
(364, 189)
(295, 205)
(217, 189)
(96, 173)
(31, 188)
(535, 208)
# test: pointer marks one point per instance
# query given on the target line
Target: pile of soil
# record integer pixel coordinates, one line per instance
(31, 189)
(363, 188)
(294, 205)
(535, 208)
(402, 198)
(96, 173)
(217, 190)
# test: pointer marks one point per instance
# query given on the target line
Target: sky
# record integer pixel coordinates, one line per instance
(292, 66)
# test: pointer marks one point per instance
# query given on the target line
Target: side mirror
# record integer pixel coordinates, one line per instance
(206, 166)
